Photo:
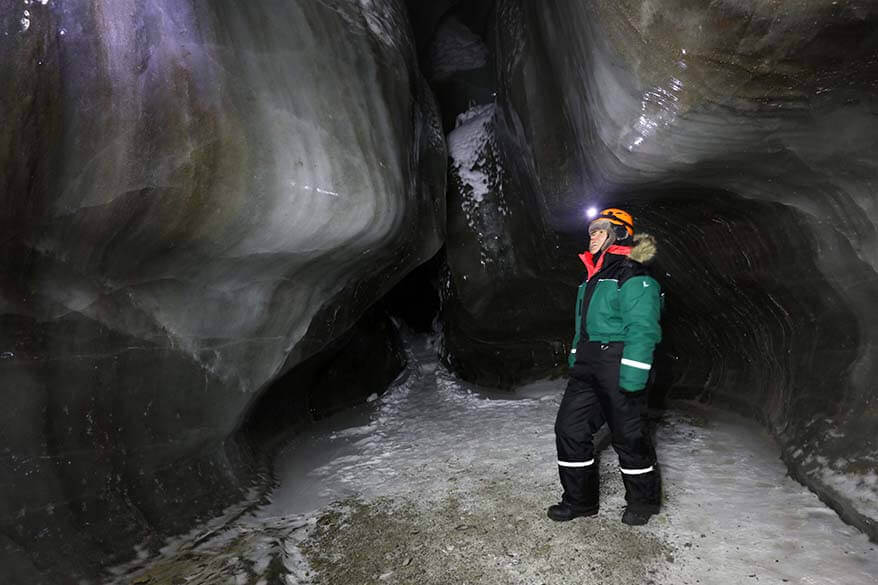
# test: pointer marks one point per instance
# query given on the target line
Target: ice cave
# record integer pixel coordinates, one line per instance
(288, 288)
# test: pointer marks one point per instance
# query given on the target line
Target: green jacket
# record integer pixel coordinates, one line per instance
(622, 302)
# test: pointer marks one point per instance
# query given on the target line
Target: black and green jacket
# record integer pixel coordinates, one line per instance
(620, 301)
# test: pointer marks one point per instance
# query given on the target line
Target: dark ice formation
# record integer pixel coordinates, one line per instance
(197, 196)
(744, 137)
(204, 201)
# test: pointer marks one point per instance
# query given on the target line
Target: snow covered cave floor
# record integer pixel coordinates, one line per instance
(439, 483)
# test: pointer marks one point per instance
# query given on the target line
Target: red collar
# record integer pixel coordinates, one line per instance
(593, 268)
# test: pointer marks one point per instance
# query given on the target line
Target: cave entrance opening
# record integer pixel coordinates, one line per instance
(360, 363)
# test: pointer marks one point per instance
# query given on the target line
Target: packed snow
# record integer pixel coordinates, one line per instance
(853, 481)
(861, 489)
(438, 481)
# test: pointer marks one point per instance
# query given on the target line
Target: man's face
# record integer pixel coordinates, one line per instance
(598, 237)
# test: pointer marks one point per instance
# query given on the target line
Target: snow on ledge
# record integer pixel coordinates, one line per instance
(466, 145)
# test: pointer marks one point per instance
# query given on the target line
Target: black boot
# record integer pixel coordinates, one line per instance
(642, 497)
(562, 512)
(636, 517)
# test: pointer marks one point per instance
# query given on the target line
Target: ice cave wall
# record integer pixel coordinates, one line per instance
(743, 135)
(196, 197)
(200, 197)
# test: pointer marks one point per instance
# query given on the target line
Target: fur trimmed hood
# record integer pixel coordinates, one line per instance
(644, 249)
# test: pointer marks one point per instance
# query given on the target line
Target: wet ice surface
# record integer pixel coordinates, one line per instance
(440, 483)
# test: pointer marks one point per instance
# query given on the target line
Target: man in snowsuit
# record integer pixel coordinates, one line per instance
(617, 328)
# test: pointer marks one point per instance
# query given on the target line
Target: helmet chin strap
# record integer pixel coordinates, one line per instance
(611, 239)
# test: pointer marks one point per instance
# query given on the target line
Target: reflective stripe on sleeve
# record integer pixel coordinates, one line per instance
(636, 471)
(573, 350)
(636, 364)
(576, 463)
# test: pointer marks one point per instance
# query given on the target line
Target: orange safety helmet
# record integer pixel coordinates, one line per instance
(618, 217)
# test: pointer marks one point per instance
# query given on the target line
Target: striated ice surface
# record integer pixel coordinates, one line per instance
(197, 197)
(466, 147)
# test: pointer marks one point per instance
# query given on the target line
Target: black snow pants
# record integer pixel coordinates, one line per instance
(592, 397)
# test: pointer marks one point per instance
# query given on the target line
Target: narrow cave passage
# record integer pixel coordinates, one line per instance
(288, 288)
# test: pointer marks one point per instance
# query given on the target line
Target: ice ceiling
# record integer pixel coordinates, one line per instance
(209, 209)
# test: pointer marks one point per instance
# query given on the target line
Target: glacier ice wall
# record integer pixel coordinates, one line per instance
(200, 197)
(196, 197)
(743, 135)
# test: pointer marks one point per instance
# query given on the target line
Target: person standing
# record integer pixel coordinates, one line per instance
(617, 328)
